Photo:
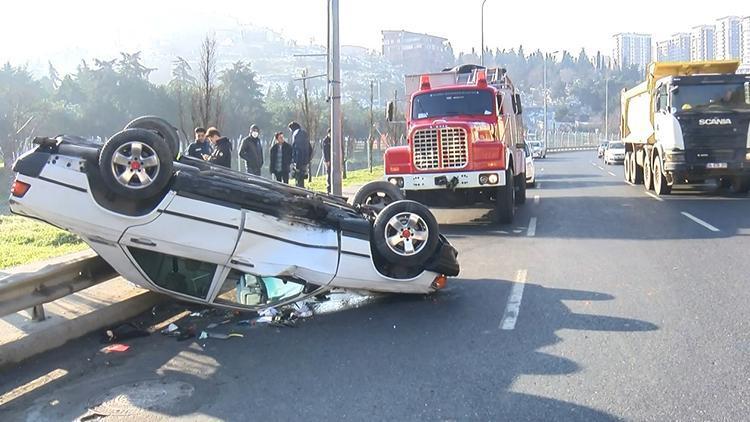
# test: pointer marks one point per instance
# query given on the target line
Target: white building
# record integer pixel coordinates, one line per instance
(675, 49)
(728, 41)
(632, 49)
(745, 42)
(702, 43)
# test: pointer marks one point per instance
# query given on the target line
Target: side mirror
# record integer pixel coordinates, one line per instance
(517, 104)
(390, 111)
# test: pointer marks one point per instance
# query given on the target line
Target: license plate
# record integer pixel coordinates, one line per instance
(716, 165)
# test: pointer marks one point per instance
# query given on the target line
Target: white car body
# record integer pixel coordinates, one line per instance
(220, 253)
(530, 168)
(537, 149)
(614, 154)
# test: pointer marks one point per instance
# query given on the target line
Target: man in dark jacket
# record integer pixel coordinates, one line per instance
(252, 152)
(200, 148)
(327, 159)
(222, 153)
(281, 158)
(301, 152)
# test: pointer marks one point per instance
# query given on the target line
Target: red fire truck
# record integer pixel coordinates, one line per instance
(466, 141)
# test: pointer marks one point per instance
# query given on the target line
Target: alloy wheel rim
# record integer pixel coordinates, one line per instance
(406, 234)
(135, 165)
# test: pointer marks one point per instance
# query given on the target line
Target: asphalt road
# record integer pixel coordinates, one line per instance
(600, 303)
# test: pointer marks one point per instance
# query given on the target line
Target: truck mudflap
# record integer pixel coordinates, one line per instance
(449, 180)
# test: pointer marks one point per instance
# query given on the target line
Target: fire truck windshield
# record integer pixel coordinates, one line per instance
(452, 103)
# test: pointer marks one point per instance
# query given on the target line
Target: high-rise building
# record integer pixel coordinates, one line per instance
(632, 49)
(675, 49)
(745, 26)
(728, 38)
(702, 43)
(417, 53)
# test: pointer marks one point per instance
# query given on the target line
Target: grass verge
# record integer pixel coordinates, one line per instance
(23, 240)
(354, 177)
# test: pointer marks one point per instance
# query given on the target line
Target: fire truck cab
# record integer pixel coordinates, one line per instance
(465, 141)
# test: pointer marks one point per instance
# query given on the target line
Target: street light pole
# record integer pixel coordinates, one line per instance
(334, 81)
(481, 60)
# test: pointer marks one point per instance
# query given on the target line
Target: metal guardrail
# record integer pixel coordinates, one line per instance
(31, 286)
(579, 148)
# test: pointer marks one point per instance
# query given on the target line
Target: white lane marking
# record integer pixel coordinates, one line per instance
(611, 174)
(538, 185)
(531, 231)
(699, 221)
(537, 199)
(593, 164)
(600, 167)
(514, 302)
(654, 196)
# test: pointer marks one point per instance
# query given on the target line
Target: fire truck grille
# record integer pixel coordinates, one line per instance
(451, 154)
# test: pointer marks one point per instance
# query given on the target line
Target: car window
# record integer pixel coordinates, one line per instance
(181, 275)
(616, 145)
(241, 289)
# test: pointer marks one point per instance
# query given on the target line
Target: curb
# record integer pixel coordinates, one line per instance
(43, 336)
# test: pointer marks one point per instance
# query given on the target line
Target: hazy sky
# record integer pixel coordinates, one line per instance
(32, 29)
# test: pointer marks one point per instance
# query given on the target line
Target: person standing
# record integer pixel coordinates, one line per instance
(222, 152)
(281, 158)
(252, 152)
(327, 159)
(200, 147)
(301, 151)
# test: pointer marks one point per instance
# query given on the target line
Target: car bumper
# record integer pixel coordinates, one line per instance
(682, 170)
(436, 181)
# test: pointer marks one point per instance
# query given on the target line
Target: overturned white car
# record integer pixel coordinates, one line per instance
(211, 235)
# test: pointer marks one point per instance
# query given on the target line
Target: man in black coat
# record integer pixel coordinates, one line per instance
(200, 148)
(281, 158)
(301, 152)
(222, 153)
(252, 152)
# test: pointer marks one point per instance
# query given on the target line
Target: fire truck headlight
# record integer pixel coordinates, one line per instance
(488, 179)
(493, 179)
(398, 181)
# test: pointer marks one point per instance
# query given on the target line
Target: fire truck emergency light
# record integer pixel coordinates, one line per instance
(424, 82)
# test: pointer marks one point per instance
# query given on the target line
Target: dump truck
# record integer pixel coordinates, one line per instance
(688, 123)
(466, 141)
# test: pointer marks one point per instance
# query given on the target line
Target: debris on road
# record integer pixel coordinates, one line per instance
(171, 329)
(116, 348)
(221, 336)
(124, 332)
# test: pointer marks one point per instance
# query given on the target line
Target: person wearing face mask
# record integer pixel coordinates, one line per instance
(252, 152)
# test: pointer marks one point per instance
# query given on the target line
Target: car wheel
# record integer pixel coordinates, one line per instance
(505, 200)
(135, 164)
(661, 187)
(168, 132)
(406, 233)
(521, 189)
(375, 196)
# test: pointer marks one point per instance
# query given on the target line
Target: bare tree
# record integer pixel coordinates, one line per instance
(207, 101)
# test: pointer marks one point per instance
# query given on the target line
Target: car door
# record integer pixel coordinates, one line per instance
(269, 246)
(181, 250)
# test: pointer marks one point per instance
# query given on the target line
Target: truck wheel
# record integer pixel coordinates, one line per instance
(660, 180)
(377, 195)
(739, 184)
(156, 124)
(636, 172)
(406, 234)
(648, 175)
(505, 200)
(627, 168)
(521, 192)
(135, 164)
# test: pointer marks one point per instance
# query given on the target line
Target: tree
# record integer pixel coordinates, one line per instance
(19, 98)
(207, 101)
(182, 88)
(242, 99)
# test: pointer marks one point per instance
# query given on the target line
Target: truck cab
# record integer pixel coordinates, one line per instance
(465, 141)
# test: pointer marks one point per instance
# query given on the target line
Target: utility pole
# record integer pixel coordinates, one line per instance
(395, 113)
(481, 60)
(334, 81)
(606, 105)
(370, 141)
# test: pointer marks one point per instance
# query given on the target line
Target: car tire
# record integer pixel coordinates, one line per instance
(375, 196)
(131, 153)
(520, 197)
(661, 187)
(505, 201)
(169, 133)
(393, 243)
(648, 175)
(739, 185)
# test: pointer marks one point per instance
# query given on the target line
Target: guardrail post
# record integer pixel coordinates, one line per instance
(36, 313)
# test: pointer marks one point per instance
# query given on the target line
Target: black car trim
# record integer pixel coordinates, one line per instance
(204, 220)
(78, 188)
(355, 235)
(356, 254)
(304, 245)
(32, 163)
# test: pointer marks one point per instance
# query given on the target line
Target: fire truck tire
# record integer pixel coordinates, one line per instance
(377, 195)
(521, 189)
(505, 200)
(406, 234)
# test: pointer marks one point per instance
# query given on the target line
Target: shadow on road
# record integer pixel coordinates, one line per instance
(439, 357)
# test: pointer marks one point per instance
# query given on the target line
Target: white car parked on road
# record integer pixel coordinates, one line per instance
(211, 235)
(530, 169)
(615, 153)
